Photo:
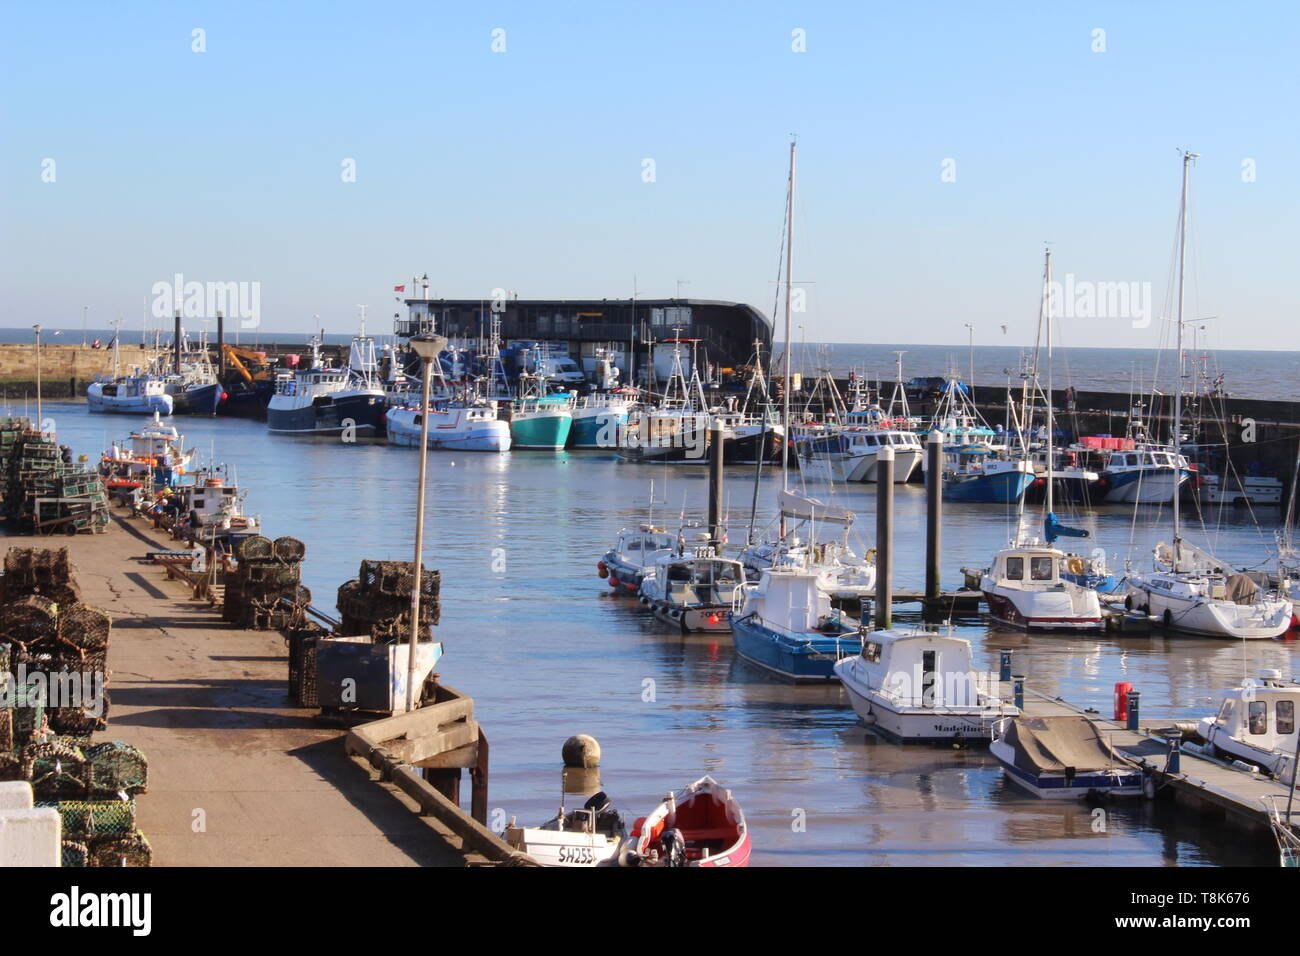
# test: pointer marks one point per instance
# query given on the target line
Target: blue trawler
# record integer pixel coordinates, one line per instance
(973, 473)
(784, 624)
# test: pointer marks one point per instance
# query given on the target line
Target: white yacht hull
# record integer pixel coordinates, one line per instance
(1207, 617)
(913, 724)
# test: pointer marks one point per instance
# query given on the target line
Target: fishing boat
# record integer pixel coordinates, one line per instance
(975, 473)
(1149, 474)
(700, 825)
(1063, 757)
(319, 400)
(189, 378)
(919, 685)
(1256, 723)
(592, 836)
(131, 394)
(784, 623)
(599, 418)
(212, 505)
(634, 554)
(841, 573)
(674, 429)
(453, 426)
(153, 456)
(1190, 590)
(693, 591)
(540, 419)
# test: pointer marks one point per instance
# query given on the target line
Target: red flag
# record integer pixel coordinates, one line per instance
(399, 288)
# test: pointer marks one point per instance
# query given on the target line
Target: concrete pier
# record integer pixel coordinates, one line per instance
(237, 776)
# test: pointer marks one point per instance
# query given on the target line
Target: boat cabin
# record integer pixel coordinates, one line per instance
(642, 542)
(695, 581)
(1261, 713)
(787, 598)
(926, 667)
(1039, 566)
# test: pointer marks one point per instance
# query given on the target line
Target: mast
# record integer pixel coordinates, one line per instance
(789, 253)
(1047, 292)
(1188, 158)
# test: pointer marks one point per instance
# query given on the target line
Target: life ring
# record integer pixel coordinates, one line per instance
(1075, 565)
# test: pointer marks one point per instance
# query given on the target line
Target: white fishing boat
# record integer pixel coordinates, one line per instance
(920, 685)
(1190, 590)
(1063, 757)
(1256, 723)
(157, 450)
(453, 426)
(785, 624)
(635, 553)
(131, 394)
(216, 501)
(693, 590)
(592, 836)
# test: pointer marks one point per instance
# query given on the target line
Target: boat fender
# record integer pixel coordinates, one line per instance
(1149, 787)
(602, 571)
(1168, 618)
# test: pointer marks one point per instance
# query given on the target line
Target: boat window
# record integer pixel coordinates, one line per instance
(871, 651)
(1016, 568)
(1040, 569)
(1258, 720)
(1226, 711)
(1286, 716)
(1132, 459)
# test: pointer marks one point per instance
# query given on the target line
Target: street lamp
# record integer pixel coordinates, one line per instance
(427, 347)
(37, 330)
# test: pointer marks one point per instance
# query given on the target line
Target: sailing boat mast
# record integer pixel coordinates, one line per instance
(785, 393)
(1188, 158)
(1051, 424)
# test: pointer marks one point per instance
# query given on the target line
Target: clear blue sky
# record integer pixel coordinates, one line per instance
(523, 169)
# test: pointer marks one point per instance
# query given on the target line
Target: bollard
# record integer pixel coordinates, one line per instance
(1122, 689)
(884, 538)
(1019, 685)
(1175, 739)
(1004, 672)
(1133, 697)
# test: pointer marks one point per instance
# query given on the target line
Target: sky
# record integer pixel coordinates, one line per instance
(591, 149)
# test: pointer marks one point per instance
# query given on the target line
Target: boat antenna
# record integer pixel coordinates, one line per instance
(1188, 158)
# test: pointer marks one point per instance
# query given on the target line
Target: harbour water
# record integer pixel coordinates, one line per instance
(535, 636)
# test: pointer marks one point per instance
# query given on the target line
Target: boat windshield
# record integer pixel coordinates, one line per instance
(1040, 568)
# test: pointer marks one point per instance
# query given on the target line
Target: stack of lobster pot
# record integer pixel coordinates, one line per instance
(266, 591)
(55, 650)
(377, 604)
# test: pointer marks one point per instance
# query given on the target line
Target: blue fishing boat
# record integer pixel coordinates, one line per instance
(785, 624)
(973, 473)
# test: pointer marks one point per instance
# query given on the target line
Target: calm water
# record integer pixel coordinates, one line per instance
(547, 652)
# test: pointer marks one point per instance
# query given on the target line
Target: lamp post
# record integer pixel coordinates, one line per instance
(37, 330)
(427, 347)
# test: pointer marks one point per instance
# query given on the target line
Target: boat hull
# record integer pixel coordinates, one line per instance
(913, 725)
(598, 428)
(447, 431)
(545, 430)
(800, 658)
(132, 405)
(1057, 786)
(1202, 618)
(1020, 610)
(198, 399)
(360, 414)
(1003, 488)
(1153, 487)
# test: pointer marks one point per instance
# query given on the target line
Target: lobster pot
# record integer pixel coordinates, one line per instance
(254, 548)
(75, 854)
(26, 720)
(85, 627)
(115, 767)
(93, 818)
(395, 578)
(117, 851)
(29, 623)
(56, 769)
(289, 550)
(302, 664)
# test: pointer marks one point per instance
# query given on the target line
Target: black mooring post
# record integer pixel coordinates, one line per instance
(884, 538)
(716, 531)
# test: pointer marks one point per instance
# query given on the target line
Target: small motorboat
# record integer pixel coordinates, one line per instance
(633, 555)
(920, 685)
(694, 591)
(591, 836)
(1256, 723)
(701, 825)
(786, 625)
(1063, 757)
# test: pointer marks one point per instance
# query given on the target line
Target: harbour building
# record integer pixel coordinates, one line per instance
(722, 334)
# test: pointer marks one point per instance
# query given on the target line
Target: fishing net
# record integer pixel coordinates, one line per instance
(30, 622)
(83, 818)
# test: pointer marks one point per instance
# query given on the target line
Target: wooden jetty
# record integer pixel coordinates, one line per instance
(1201, 782)
(238, 775)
